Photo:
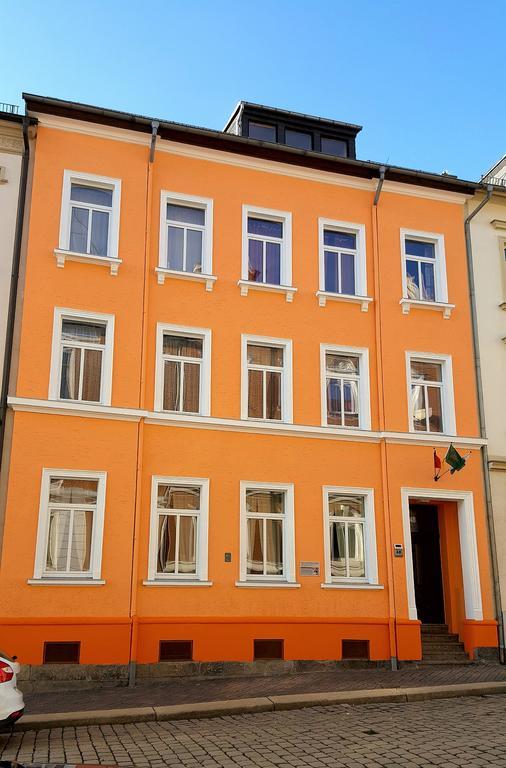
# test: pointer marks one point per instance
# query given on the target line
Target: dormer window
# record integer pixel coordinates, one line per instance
(298, 139)
(262, 131)
(336, 147)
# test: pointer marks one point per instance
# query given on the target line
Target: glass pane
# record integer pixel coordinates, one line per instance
(186, 214)
(73, 490)
(428, 289)
(346, 506)
(261, 131)
(171, 385)
(175, 246)
(337, 549)
(70, 372)
(334, 147)
(255, 260)
(194, 250)
(331, 272)
(79, 230)
(182, 346)
(99, 233)
(274, 547)
(178, 497)
(356, 550)
(273, 395)
(260, 355)
(435, 410)
(58, 540)
(255, 553)
(334, 415)
(418, 408)
(82, 528)
(348, 273)
(412, 280)
(273, 263)
(425, 371)
(350, 403)
(166, 560)
(86, 333)
(92, 375)
(191, 388)
(255, 394)
(91, 195)
(342, 363)
(420, 248)
(298, 139)
(259, 501)
(265, 227)
(187, 544)
(339, 239)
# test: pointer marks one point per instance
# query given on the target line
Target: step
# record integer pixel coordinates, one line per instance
(437, 663)
(445, 656)
(435, 628)
(448, 648)
(440, 638)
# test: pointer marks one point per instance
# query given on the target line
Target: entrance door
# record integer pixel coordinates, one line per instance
(427, 563)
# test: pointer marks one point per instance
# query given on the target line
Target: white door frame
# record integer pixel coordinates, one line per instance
(468, 547)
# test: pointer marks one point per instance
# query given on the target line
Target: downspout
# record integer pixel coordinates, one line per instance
(16, 259)
(134, 626)
(481, 416)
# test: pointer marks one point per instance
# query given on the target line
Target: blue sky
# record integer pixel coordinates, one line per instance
(425, 79)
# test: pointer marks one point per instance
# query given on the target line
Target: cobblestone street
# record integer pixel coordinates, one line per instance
(466, 732)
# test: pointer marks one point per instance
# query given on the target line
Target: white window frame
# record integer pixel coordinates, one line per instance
(288, 576)
(440, 302)
(360, 295)
(285, 218)
(202, 531)
(364, 416)
(286, 377)
(447, 393)
(371, 559)
(204, 334)
(61, 314)
(94, 573)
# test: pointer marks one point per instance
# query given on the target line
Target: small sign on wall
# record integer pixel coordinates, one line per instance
(308, 568)
(398, 550)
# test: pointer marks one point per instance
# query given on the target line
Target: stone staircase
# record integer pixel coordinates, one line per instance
(440, 647)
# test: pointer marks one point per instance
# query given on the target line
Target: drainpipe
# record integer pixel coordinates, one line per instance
(481, 416)
(16, 259)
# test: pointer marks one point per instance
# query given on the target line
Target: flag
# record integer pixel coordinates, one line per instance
(437, 462)
(454, 459)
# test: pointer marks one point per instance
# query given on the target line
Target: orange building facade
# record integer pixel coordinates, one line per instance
(226, 398)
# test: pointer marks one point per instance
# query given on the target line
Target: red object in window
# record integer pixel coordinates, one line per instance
(6, 673)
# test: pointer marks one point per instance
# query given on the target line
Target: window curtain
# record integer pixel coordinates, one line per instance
(191, 388)
(71, 368)
(92, 374)
(82, 527)
(187, 544)
(58, 539)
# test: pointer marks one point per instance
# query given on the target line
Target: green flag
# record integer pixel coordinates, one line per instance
(454, 459)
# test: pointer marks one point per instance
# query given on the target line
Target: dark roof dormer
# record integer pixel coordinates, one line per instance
(279, 126)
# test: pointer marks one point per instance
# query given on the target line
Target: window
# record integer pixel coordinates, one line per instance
(342, 259)
(71, 518)
(81, 368)
(430, 394)
(183, 370)
(345, 387)
(336, 147)
(350, 538)
(267, 365)
(267, 545)
(298, 139)
(90, 215)
(178, 538)
(186, 234)
(267, 244)
(424, 274)
(261, 131)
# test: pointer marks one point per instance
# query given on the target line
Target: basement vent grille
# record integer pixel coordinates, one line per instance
(268, 649)
(355, 649)
(61, 653)
(176, 650)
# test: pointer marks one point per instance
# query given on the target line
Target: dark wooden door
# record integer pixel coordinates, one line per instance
(427, 563)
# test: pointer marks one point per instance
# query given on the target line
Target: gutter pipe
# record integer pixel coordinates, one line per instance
(481, 416)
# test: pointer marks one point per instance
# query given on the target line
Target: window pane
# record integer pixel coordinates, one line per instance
(187, 544)
(348, 273)
(331, 272)
(92, 375)
(255, 394)
(412, 280)
(79, 230)
(182, 346)
(339, 239)
(334, 147)
(191, 388)
(255, 553)
(194, 250)
(58, 540)
(420, 248)
(425, 371)
(298, 139)
(356, 550)
(265, 227)
(337, 549)
(260, 355)
(255, 260)
(346, 506)
(273, 263)
(99, 233)
(261, 131)
(166, 560)
(428, 289)
(178, 497)
(91, 195)
(342, 363)
(70, 372)
(334, 415)
(175, 248)
(350, 403)
(259, 501)
(274, 547)
(86, 333)
(418, 408)
(186, 214)
(80, 552)
(435, 410)
(171, 385)
(273, 395)
(73, 490)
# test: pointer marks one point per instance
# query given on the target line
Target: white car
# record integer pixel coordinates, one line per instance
(11, 698)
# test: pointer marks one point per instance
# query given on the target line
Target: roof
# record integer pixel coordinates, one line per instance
(227, 142)
(287, 113)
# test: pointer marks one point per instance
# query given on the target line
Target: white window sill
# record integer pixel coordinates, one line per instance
(324, 296)
(438, 306)
(45, 582)
(267, 584)
(85, 258)
(196, 277)
(247, 285)
(176, 583)
(351, 585)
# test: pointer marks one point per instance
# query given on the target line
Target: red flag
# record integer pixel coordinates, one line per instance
(437, 465)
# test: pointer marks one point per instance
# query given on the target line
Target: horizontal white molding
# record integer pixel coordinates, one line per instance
(110, 262)
(437, 306)
(61, 408)
(174, 583)
(268, 584)
(66, 582)
(352, 585)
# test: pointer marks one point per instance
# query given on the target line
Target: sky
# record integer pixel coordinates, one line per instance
(425, 79)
